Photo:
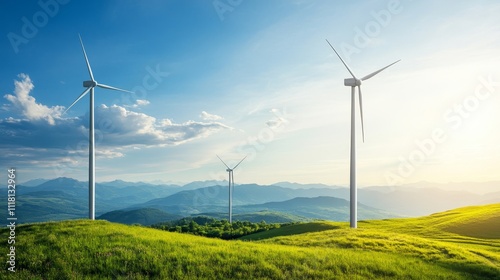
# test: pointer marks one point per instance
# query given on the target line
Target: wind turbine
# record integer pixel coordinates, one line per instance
(90, 85)
(231, 186)
(355, 82)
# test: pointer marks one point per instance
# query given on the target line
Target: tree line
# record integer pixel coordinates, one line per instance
(210, 227)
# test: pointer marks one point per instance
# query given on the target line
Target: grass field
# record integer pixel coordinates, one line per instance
(442, 246)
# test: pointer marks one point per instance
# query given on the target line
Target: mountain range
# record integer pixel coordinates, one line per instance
(66, 198)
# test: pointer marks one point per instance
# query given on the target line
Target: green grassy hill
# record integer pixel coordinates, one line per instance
(466, 239)
(421, 248)
(291, 230)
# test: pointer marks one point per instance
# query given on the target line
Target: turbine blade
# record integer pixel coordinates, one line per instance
(239, 162)
(86, 59)
(345, 64)
(113, 88)
(223, 162)
(378, 71)
(361, 111)
(78, 99)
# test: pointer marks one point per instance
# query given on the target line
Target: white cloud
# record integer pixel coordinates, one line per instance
(57, 139)
(108, 154)
(166, 122)
(126, 127)
(142, 102)
(138, 103)
(27, 105)
(43, 144)
(210, 117)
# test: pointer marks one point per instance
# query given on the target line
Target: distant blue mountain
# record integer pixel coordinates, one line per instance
(322, 207)
(123, 184)
(303, 186)
(309, 203)
(203, 184)
(34, 182)
(63, 184)
(66, 198)
(203, 199)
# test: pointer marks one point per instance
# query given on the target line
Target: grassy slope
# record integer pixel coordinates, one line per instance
(291, 230)
(99, 249)
(473, 221)
(399, 249)
(465, 239)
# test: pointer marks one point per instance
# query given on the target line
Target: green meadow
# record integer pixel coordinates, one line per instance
(458, 244)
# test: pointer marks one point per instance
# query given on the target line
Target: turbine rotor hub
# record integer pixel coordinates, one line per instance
(88, 84)
(351, 82)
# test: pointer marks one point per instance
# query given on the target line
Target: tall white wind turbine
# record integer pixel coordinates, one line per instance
(231, 186)
(355, 82)
(90, 85)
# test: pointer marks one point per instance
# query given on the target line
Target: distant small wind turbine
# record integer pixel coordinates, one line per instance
(90, 85)
(355, 82)
(231, 186)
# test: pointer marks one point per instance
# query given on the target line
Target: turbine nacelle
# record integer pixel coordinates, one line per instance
(88, 84)
(352, 82)
(229, 170)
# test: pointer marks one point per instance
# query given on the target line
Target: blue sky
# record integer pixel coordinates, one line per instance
(254, 78)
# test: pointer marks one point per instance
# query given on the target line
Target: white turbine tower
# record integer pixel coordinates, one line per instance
(231, 186)
(90, 85)
(355, 82)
